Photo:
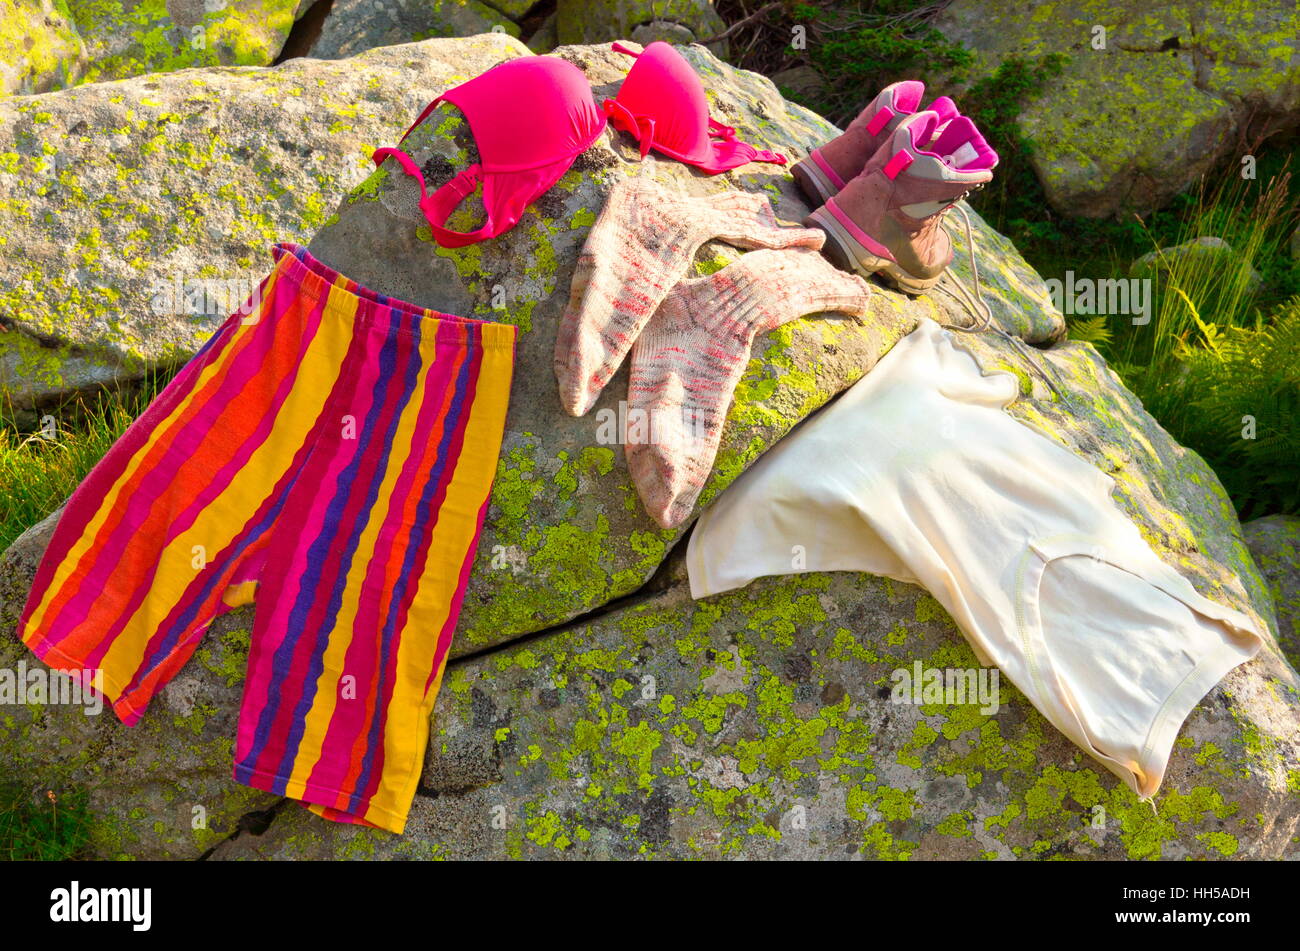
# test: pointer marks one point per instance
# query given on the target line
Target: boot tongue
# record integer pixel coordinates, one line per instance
(962, 147)
(945, 108)
(905, 95)
(916, 130)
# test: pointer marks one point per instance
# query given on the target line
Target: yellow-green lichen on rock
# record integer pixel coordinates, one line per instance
(39, 47)
(53, 44)
(133, 37)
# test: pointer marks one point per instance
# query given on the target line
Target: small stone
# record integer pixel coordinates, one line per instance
(665, 30)
(1203, 252)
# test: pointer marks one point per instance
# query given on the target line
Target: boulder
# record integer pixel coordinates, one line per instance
(515, 9)
(565, 531)
(134, 37)
(665, 31)
(354, 26)
(1200, 255)
(544, 38)
(1169, 93)
(596, 21)
(803, 81)
(132, 214)
(592, 708)
(760, 724)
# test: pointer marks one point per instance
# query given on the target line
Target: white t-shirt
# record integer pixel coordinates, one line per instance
(916, 473)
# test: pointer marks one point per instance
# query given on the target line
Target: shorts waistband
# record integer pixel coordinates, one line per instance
(317, 280)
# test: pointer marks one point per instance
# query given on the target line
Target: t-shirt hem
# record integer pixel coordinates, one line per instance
(1178, 706)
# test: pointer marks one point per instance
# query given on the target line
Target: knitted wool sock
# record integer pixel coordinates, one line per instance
(642, 244)
(686, 364)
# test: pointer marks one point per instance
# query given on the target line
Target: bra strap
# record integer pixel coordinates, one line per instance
(765, 155)
(717, 128)
(640, 126)
(728, 133)
(420, 118)
(644, 128)
(443, 202)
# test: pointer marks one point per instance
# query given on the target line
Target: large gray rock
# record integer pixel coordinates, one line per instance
(759, 724)
(660, 726)
(112, 196)
(134, 37)
(1128, 126)
(354, 26)
(565, 532)
(1204, 255)
(596, 21)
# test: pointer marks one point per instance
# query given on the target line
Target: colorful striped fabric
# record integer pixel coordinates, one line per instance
(328, 454)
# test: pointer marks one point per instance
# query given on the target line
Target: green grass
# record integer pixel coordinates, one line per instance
(1233, 395)
(42, 826)
(41, 464)
(1208, 289)
(1219, 363)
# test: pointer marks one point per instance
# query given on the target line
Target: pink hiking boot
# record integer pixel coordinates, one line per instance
(827, 169)
(887, 219)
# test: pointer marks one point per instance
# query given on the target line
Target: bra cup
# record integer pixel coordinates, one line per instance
(507, 194)
(664, 92)
(528, 112)
(668, 91)
(505, 197)
(530, 118)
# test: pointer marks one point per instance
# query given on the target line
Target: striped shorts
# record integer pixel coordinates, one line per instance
(327, 454)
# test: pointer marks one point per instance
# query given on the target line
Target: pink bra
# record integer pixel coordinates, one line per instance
(662, 104)
(532, 116)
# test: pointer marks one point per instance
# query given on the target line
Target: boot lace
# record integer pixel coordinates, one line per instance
(978, 307)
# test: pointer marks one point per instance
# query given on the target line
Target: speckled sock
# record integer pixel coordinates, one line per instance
(687, 361)
(642, 244)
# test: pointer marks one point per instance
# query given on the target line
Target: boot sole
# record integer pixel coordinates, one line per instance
(847, 254)
(812, 181)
